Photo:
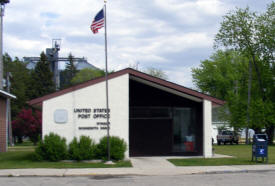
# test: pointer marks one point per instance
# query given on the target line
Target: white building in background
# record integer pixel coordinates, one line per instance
(218, 125)
(155, 117)
(80, 63)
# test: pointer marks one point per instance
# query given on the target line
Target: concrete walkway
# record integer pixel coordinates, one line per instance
(151, 163)
(161, 161)
(148, 166)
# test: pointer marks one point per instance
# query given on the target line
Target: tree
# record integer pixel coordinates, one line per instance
(41, 79)
(223, 73)
(156, 72)
(238, 31)
(253, 36)
(19, 82)
(266, 33)
(68, 74)
(224, 76)
(34, 131)
(87, 74)
(27, 124)
(18, 131)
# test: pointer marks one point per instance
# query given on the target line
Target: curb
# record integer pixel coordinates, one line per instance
(239, 171)
(111, 176)
(94, 176)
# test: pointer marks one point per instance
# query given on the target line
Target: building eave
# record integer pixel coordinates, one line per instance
(6, 94)
(133, 73)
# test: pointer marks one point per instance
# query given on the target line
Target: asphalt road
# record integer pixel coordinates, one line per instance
(228, 179)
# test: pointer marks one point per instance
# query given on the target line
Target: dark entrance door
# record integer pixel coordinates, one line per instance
(150, 137)
(162, 123)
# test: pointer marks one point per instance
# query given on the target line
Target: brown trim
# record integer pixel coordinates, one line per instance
(177, 87)
(38, 101)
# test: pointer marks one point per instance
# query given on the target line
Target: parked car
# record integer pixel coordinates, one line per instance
(228, 137)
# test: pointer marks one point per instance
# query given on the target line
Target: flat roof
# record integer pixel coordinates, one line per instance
(133, 73)
(6, 94)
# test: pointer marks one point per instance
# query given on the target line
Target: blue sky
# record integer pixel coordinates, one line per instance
(172, 35)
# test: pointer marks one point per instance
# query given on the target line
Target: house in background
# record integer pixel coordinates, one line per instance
(4, 96)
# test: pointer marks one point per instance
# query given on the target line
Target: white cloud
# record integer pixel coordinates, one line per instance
(181, 76)
(212, 7)
(176, 43)
(22, 47)
(192, 12)
(155, 33)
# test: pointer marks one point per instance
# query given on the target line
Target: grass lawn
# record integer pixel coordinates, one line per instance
(24, 143)
(241, 153)
(21, 157)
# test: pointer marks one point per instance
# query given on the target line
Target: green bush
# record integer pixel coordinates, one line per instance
(117, 148)
(82, 150)
(52, 148)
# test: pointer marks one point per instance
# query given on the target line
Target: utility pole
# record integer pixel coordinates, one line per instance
(2, 8)
(1, 46)
(248, 102)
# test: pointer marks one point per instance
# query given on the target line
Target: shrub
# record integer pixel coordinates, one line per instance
(73, 151)
(27, 123)
(82, 150)
(52, 148)
(117, 148)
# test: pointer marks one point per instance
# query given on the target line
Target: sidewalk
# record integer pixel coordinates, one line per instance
(142, 166)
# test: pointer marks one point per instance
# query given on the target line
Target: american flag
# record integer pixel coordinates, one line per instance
(98, 21)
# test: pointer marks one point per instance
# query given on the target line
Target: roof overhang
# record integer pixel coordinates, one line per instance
(6, 94)
(141, 77)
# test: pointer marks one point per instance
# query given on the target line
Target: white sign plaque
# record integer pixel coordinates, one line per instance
(60, 116)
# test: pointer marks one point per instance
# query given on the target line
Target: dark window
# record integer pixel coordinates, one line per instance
(150, 112)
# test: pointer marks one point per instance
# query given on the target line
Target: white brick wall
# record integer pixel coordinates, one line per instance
(207, 128)
(92, 97)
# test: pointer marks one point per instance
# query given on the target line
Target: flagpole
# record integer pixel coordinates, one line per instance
(106, 80)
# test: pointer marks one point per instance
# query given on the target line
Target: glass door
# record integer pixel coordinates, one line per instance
(183, 130)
